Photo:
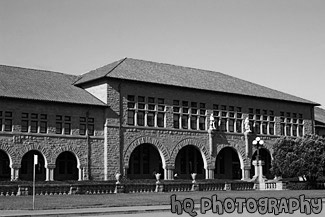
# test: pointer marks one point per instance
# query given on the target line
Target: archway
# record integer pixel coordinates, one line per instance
(66, 167)
(4, 166)
(27, 163)
(228, 164)
(189, 160)
(144, 162)
(266, 157)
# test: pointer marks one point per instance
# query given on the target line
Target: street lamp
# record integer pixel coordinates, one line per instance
(258, 164)
(258, 143)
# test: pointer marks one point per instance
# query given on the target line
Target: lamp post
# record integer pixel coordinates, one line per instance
(258, 164)
(258, 143)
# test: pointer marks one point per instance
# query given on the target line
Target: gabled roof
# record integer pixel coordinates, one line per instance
(16, 82)
(319, 115)
(166, 74)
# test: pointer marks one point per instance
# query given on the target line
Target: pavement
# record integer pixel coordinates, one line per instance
(86, 211)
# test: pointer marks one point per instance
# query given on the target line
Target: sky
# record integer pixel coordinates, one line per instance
(275, 43)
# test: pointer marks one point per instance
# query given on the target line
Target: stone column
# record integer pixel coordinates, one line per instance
(15, 172)
(50, 172)
(209, 172)
(169, 172)
(80, 173)
(125, 172)
(246, 173)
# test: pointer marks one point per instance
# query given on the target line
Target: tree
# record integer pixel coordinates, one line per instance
(293, 157)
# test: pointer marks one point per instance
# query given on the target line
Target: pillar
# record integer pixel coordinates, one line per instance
(246, 173)
(50, 172)
(15, 172)
(209, 172)
(169, 172)
(81, 173)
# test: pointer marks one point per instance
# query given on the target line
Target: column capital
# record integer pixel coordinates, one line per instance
(16, 166)
(51, 166)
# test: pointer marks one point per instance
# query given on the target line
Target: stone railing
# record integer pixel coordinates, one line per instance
(136, 186)
(177, 187)
(212, 186)
(139, 188)
(242, 186)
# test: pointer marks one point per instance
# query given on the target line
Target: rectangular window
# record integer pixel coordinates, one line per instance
(58, 127)
(67, 128)
(140, 118)
(223, 125)
(141, 99)
(193, 122)
(288, 130)
(0, 124)
(231, 123)
(264, 127)
(271, 128)
(294, 130)
(238, 126)
(151, 119)
(8, 125)
(184, 121)
(160, 119)
(43, 123)
(301, 130)
(282, 129)
(24, 126)
(202, 123)
(91, 130)
(33, 126)
(176, 121)
(131, 98)
(82, 129)
(131, 115)
(258, 127)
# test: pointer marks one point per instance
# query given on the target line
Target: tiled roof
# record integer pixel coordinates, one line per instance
(320, 114)
(166, 74)
(16, 82)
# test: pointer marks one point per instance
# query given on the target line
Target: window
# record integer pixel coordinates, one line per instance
(228, 119)
(83, 123)
(146, 111)
(176, 121)
(189, 115)
(291, 124)
(43, 123)
(63, 124)
(24, 122)
(262, 121)
(58, 124)
(8, 121)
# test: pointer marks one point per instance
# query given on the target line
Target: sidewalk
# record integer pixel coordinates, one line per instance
(85, 211)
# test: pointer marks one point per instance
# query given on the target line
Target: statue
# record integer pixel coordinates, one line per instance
(247, 127)
(212, 122)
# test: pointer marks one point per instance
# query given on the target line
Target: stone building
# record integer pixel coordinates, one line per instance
(138, 117)
(320, 121)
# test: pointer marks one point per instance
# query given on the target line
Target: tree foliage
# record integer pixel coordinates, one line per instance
(293, 157)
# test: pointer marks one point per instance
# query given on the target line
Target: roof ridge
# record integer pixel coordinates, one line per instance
(39, 70)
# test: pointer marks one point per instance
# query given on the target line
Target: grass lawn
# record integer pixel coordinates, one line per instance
(139, 199)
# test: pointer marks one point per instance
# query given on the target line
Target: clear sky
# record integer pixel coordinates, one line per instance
(276, 43)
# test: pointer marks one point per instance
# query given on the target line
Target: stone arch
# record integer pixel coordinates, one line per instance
(164, 154)
(244, 161)
(34, 147)
(73, 150)
(207, 160)
(10, 152)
